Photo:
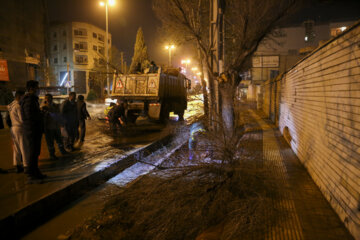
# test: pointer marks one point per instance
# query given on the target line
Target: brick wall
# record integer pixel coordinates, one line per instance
(320, 106)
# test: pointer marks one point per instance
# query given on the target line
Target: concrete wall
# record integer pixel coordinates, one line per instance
(320, 107)
(22, 36)
(271, 98)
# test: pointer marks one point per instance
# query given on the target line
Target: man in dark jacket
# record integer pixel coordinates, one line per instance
(52, 121)
(68, 111)
(117, 116)
(83, 114)
(33, 129)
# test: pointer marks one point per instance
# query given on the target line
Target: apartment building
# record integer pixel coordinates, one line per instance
(76, 49)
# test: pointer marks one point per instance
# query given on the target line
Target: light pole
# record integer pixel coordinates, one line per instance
(186, 62)
(169, 47)
(106, 4)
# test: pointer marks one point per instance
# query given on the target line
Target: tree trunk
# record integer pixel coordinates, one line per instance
(203, 84)
(227, 107)
(212, 104)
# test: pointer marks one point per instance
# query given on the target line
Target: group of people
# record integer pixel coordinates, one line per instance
(28, 120)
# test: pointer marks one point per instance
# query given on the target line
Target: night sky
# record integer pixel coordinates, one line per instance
(124, 20)
(128, 15)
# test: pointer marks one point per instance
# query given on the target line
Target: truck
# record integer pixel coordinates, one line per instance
(153, 95)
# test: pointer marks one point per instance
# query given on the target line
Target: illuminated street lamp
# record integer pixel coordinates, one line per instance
(106, 4)
(169, 48)
(186, 62)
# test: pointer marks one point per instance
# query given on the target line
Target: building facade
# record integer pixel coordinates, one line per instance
(285, 47)
(77, 54)
(22, 41)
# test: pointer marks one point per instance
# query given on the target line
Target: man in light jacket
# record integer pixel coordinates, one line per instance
(17, 133)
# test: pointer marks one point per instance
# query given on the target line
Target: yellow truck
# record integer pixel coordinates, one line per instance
(154, 95)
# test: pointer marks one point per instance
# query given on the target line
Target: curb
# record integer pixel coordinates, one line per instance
(24, 220)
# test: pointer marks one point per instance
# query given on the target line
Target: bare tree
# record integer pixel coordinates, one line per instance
(247, 24)
(100, 70)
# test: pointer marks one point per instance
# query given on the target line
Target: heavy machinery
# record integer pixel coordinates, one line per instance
(154, 95)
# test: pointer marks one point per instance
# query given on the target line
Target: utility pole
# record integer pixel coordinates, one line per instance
(122, 61)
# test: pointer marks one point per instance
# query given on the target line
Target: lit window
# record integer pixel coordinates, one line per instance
(306, 38)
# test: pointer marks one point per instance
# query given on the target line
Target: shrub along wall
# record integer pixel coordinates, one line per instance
(320, 107)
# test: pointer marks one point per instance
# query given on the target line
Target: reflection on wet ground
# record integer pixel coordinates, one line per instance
(101, 148)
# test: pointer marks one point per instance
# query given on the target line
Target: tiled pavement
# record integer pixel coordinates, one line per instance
(307, 213)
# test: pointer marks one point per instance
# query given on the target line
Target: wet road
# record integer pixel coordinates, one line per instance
(101, 148)
(92, 203)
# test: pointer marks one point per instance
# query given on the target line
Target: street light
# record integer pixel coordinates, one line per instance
(186, 62)
(106, 4)
(169, 48)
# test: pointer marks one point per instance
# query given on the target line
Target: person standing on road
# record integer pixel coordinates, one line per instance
(69, 112)
(106, 111)
(52, 121)
(33, 129)
(117, 116)
(83, 114)
(15, 122)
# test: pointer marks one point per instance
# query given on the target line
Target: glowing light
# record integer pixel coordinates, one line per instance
(194, 69)
(343, 29)
(199, 73)
(187, 61)
(63, 80)
(306, 38)
(111, 2)
(102, 3)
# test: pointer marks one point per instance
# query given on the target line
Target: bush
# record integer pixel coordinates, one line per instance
(91, 95)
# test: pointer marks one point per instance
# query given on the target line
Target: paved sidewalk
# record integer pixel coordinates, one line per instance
(307, 213)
